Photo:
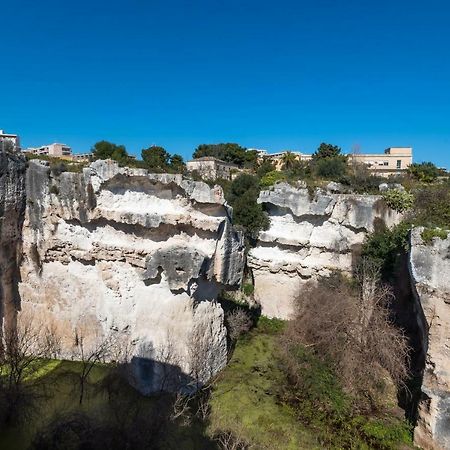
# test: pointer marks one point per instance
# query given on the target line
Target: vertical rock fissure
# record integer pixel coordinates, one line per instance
(12, 211)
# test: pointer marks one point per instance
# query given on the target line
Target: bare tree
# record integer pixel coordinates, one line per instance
(25, 348)
(90, 352)
(238, 323)
(353, 329)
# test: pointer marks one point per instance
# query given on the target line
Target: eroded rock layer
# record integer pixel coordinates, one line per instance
(309, 235)
(141, 255)
(12, 207)
(430, 275)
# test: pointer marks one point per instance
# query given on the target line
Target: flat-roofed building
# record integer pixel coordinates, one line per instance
(212, 168)
(9, 141)
(56, 149)
(393, 161)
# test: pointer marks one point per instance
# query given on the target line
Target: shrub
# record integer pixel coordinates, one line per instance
(432, 206)
(350, 329)
(428, 234)
(330, 168)
(54, 189)
(398, 200)
(385, 245)
(426, 172)
(238, 323)
(270, 178)
(242, 195)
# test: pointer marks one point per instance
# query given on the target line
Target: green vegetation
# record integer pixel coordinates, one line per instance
(326, 151)
(58, 165)
(398, 200)
(242, 194)
(426, 172)
(428, 234)
(228, 152)
(158, 159)
(108, 150)
(253, 399)
(270, 178)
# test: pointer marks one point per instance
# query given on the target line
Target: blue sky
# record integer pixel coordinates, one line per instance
(274, 75)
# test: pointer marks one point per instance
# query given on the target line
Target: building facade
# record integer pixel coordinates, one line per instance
(393, 161)
(212, 168)
(9, 141)
(55, 149)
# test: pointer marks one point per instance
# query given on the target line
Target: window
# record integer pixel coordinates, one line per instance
(399, 163)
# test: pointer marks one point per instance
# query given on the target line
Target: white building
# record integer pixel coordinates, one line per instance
(55, 149)
(8, 140)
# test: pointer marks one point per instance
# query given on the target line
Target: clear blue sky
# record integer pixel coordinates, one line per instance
(267, 74)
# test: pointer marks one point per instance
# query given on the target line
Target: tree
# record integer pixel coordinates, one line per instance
(243, 195)
(426, 172)
(108, 150)
(264, 167)
(155, 157)
(327, 151)
(228, 152)
(351, 329)
(332, 168)
(25, 347)
(90, 352)
(288, 160)
(177, 163)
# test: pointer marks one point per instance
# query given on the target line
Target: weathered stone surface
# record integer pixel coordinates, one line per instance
(141, 255)
(12, 208)
(309, 235)
(430, 275)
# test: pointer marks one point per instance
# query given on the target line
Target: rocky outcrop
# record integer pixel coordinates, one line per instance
(430, 275)
(143, 256)
(12, 208)
(309, 235)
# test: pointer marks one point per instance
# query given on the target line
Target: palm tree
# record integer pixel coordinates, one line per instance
(288, 160)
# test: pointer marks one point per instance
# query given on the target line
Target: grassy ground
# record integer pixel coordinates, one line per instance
(244, 399)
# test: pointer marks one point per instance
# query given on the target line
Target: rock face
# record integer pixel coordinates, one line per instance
(309, 235)
(12, 208)
(430, 275)
(141, 256)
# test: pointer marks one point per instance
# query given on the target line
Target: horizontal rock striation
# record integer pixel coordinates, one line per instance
(143, 256)
(429, 265)
(309, 235)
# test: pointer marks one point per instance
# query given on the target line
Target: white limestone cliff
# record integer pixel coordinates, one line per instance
(143, 256)
(429, 265)
(309, 235)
